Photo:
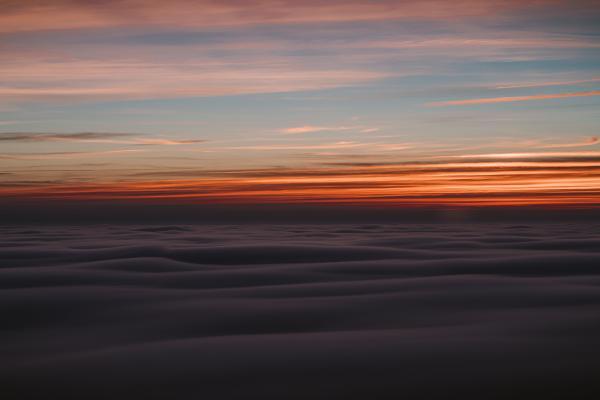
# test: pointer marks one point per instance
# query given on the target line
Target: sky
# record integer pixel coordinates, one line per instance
(396, 103)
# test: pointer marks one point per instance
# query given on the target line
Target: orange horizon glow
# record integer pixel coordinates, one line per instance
(503, 183)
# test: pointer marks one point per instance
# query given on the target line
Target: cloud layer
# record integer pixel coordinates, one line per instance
(300, 311)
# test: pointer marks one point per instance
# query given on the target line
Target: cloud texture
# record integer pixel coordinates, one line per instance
(324, 312)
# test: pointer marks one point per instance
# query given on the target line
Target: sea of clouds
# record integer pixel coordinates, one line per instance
(430, 311)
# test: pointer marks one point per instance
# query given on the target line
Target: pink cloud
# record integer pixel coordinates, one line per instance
(28, 15)
(326, 146)
(312, 128)
(41, 79)
(316, 128)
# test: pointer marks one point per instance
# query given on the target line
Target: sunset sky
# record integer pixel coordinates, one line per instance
(342, 102)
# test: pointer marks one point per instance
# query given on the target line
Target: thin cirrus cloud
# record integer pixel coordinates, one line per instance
(316, 128)
(510, 99)
(372, 146)
(542, 84)
(35, 79)
(587, 142)
(65, 155)
(480, 42)
(93, 137)
(536, 155)
(50, 137)
(324, 146)
(154, 60)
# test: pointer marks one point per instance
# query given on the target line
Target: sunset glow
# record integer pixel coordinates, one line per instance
(479, 183)
(401, 103)
(299, 199)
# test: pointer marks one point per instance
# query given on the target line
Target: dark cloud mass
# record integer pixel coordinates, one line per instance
(365, 311)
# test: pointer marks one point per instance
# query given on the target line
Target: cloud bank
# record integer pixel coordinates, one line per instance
(322, 312)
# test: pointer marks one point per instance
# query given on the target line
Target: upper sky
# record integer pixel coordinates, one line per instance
(401, 102)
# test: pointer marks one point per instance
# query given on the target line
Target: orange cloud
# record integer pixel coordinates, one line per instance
(492, 100)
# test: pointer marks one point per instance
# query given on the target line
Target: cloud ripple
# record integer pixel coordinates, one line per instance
(300, 311)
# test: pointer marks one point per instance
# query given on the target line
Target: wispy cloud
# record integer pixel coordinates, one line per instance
(52, 137)
(167, 142)
(93, 137)
(317, 128)
(313, 128)
(547, 83)
(11, 122)
(587, 142)
(46, 79)
(325, 146)
(163, 56)
(492, 100)
(64, 154)
(371, 146)
(480, 42)
(369, 130)
(536, 155)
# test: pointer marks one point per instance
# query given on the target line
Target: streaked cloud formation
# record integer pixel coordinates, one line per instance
(65, 155)
(93, 137)
(396, 102)
(540, 84)
(313, 129)
(587, 142)
(510, 181)
(516, 98)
